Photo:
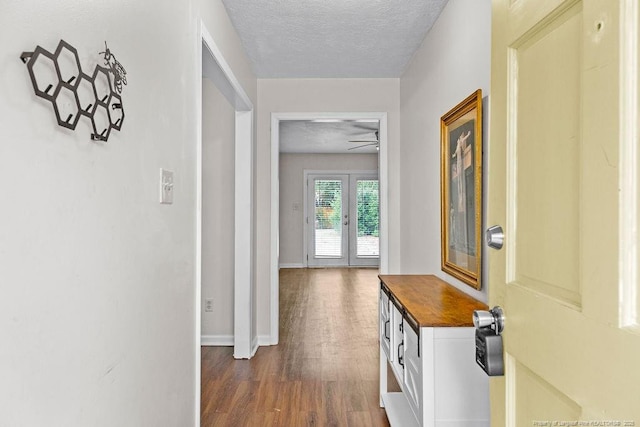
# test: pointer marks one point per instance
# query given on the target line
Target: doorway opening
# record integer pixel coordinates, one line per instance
(276, 246)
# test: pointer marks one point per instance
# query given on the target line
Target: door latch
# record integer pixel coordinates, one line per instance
(489, 326)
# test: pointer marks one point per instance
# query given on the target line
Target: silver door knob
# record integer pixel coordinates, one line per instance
(493, 318)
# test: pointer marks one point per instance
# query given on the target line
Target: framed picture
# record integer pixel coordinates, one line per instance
(461, 189)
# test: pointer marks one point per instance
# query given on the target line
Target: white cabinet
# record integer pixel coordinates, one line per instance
(434, 365)
(385, 325)
(397, 338)
(412, 372)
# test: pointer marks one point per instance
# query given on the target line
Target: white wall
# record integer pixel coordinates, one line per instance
(453, 61)
(292, 167)
(320, 95)
(98, 304)
(218, 132)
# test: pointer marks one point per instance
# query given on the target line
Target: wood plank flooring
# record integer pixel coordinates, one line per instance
(324, 371)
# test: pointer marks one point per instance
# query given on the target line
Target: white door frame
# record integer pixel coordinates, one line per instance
(212, 65)
(383, 173)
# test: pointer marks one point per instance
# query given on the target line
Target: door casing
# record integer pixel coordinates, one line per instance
(212, 65)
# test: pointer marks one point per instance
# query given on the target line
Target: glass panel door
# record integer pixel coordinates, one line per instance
(365, 208)
(328, 220)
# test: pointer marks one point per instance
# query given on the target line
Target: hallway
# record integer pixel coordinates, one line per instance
(325, 369)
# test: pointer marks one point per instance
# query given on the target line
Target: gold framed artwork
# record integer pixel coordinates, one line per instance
(461, 190)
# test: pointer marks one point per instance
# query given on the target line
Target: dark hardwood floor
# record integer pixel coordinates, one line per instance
(324, 371)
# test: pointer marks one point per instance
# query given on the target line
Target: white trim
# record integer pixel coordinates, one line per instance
(255, 343)
(274, 246)
(628, 199)
(296, 265)
(220, 73)
(264, 340)
(275, 197)
(197, 304)
(243, 276)
(227, 341)
(215, 67)
(216, 341)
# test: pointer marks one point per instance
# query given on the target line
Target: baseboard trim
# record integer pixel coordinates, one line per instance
(216, 340)
(265, 340)
(291, 266)
(227, 341)
(254, 346)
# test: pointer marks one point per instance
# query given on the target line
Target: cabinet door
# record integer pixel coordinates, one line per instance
(412, 372)
(385, 326)
(397, 338)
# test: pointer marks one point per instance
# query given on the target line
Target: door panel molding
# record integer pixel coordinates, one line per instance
(539, 400)
(529, 16)
(546, 122)
(629, 160)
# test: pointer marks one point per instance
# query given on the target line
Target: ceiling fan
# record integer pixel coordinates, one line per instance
(369, 142)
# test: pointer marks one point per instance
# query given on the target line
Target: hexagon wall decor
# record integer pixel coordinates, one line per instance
(58, 78)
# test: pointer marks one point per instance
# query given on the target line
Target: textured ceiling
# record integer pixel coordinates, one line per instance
(331, 38)
(308, 136)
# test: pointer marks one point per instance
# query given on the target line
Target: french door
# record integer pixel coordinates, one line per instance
(342, 220)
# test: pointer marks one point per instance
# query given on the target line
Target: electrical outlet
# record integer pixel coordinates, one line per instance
(208, 305)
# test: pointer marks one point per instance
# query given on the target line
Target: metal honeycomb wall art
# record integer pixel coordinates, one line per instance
(58, 78)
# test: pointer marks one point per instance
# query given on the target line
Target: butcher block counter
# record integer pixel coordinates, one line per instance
(430, 300)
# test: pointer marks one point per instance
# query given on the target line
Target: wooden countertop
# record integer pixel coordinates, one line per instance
(432, 301)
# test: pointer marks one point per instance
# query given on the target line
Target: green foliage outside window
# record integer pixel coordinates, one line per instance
(368, 208)
(329, 202)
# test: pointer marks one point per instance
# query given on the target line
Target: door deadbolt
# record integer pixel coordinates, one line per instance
(495, 237)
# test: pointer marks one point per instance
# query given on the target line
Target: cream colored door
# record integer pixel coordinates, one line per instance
(563, 182)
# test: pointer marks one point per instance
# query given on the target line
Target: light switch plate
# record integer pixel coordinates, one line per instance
(166, 187)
